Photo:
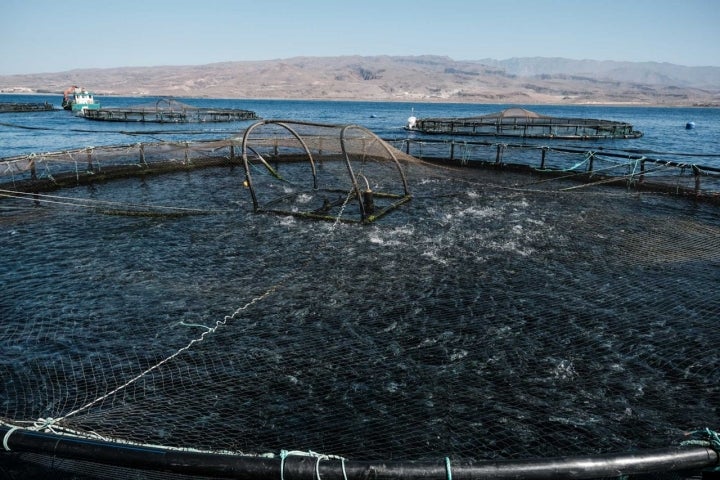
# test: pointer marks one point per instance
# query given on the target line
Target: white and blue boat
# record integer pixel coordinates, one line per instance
(77, 99)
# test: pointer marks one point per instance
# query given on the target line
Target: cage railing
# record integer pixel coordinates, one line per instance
(48, 170)
(634, 169)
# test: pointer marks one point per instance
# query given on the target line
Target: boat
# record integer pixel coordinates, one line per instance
(522, 123)
(77, 99)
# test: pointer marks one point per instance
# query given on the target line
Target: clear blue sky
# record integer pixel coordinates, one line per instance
(56, 35)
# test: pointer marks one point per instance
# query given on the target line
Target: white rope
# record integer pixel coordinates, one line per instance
(7, 437)
(192, 342)
(96, 203)
(342, 209)
(319, 456)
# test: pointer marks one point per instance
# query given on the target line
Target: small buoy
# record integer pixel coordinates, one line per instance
(689, 125)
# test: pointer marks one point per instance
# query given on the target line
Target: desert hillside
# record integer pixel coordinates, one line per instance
(386, 78)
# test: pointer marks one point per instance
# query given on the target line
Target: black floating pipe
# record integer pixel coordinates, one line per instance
(306, 467)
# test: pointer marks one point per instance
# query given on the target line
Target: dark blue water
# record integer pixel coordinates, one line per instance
(664, 128)
(489, 317)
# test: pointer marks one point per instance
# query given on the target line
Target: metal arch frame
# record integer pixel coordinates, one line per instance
(363, 211)
(246, 164)
(365, 215)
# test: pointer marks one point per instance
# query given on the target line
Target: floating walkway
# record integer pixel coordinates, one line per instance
(518, 122)
(11, 107)
(169, 111)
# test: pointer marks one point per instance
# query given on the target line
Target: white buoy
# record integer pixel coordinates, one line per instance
(411, 121)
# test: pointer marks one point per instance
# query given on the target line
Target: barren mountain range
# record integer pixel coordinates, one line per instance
(394, 78)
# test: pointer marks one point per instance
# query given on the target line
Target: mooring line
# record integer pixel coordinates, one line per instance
(568, 190)
(121, 132)
(96, 204)
(614, 179)
(167, 359)
(49, 423)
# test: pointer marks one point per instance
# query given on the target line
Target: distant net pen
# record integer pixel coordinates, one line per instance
(168, 110)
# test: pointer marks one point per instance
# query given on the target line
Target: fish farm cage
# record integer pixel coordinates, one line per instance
(239, 308)
(522, 123)
(15, 107)
(669, 172)
(326, 198)
(167, 110)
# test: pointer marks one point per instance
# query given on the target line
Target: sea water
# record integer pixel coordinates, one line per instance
(474, 321)
(664, 128)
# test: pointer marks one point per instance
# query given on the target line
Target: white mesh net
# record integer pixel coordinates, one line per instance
(496, 315)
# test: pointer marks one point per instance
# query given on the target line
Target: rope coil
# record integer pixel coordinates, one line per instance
(318, 456)
(7, 437)
(704, 438)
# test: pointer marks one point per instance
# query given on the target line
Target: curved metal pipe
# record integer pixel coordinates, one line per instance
(246, 136)
(307, 467)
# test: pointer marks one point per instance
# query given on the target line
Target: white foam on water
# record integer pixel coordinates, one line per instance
(287, 221)
(512, 246)
(565, 370)
(435, 254)
(515, 239)
(458, 354)
(392, 387)
(304, 198)
(394, 237)
(479, 212)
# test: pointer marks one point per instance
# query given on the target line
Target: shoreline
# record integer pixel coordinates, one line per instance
(590, 103)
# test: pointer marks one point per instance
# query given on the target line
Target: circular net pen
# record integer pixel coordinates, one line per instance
(14, 107)
(167, 110)
(497, 325)
(522, 123)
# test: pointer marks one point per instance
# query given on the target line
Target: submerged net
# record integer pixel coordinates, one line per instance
(496, 315)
